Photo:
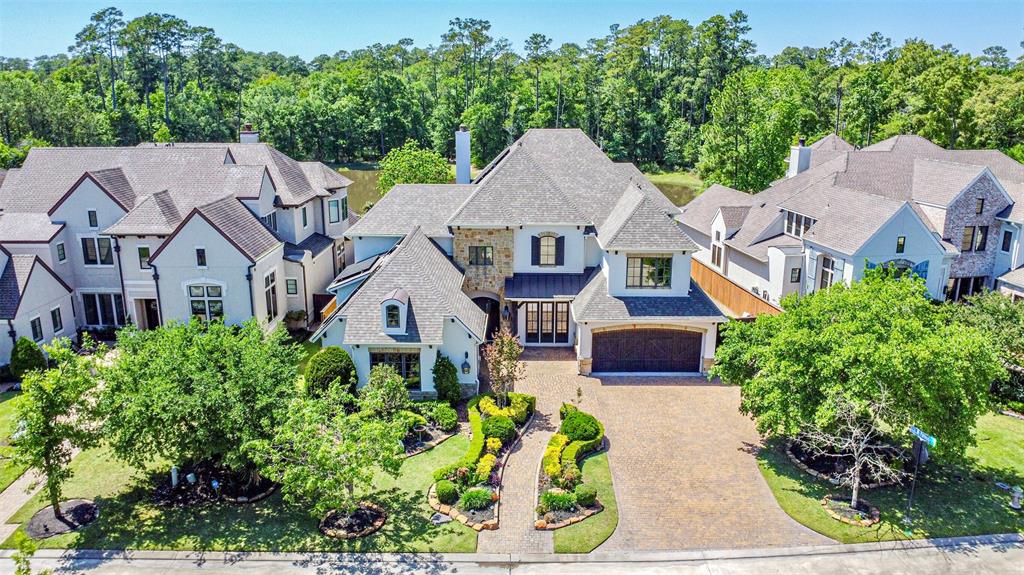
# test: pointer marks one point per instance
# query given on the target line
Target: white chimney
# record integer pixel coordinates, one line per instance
(799, 159)
(248, 136)
(462, 155)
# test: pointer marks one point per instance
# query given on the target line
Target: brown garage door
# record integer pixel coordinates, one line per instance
(646, 350)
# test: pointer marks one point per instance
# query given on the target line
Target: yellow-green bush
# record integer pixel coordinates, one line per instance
(552, 461)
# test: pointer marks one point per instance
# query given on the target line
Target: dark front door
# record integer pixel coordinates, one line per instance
(490, 307)
(646, 350)
(547, 322)
(152, 313)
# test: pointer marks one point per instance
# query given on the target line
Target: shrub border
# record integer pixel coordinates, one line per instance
(541, 525)
(819, 475)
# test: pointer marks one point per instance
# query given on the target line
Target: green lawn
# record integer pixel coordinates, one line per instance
(585, 536)
(9, 471)
(680, 187)
(950, 500)
(128, 521)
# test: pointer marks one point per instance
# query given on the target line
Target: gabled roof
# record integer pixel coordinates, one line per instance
(156, 214)
(114, 182)
(1014, 277)
(315, 244)
(639, 223)
(322, 177)
(733, 216)
(15, 278)
(938, 182)
(832, 143)
(27, 228)
(434, 289)
(405, 206)
(594, 304)
(235, 222)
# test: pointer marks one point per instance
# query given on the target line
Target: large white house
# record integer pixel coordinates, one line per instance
(570, 248)
(95, 238)
(953, 217)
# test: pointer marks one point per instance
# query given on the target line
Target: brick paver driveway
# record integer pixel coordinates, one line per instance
(682, 460)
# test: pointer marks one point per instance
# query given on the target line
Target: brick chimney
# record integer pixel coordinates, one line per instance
(248, 136)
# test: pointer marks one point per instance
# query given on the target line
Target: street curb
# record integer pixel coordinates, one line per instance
(1009, 539)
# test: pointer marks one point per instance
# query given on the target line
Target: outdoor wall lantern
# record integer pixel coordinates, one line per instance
(465, 364)
(505, 313)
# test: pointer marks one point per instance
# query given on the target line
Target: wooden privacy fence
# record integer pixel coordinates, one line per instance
(728, 293)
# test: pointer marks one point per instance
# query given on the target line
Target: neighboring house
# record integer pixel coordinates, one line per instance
(953, 217)
(158, 232)
(568, 247)
(34, 301)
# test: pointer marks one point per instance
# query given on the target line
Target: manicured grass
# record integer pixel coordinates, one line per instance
(128, 521)
(680, 187)
(951, 500)
(9, 471)
(308, 349)
(585, 536)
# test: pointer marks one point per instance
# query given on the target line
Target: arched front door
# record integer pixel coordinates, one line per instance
(493, 311)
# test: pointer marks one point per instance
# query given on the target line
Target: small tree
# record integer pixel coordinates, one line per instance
(325, 366)
(503, 364)
(57, 415)
(411, 164)
(327, 458)
(26, 357)
(385, 393)
(1002, 319)
(446, 380)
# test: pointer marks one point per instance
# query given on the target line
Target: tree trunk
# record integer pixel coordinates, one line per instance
(53, 492)
(113, 81)
(856, 487)
(167, 96)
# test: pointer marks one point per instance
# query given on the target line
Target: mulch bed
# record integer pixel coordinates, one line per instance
(827, 468)
(232, 486)
(77, 513)
(838, 507)
(366, 519)
(476, 520)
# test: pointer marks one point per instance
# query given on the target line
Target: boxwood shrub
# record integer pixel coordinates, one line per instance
(501, 427)
(445, 417)
(577, 449)
(325, 366)
(586, 495)
(581, 426)
(519, 407)
(447, 492)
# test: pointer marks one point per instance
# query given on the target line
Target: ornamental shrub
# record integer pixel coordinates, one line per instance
(385, 393)
(493, 445)
(475, 499)
(476, 447)
(26, 357)
(325, 366)
(519, 408)
(446, 491)
(446, 380)
(552, 461)
(484, 467)
(501, 427)
(558, 501)
(444, 417)
(586, 495)
(566, 409)
(580, 426)
(411, 419)
(571, 475)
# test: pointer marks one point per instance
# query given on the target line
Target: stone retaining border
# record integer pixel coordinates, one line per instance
(874, 514)
(338, 534)
(818, 475)
(246, 500)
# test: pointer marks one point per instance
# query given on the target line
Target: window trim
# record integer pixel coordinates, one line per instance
(149, 255)
(95, 240)
(475, 258)
(642, 272)
(409, 360)
(797, 272)
(305, 217)
(270, 294)
(62, 252)
(830, 270)
(333, 211)
(790, 221)
(553, 251)
(981, 238)
(287, 287)
(270, 220)
(96, 297)
(206, 298)
(901, 244)
(716, 256)
(92, 214)
(1007, 243)
(397, 311)
(32, 323)
(60, 318)
(206, 261)
(979, 206)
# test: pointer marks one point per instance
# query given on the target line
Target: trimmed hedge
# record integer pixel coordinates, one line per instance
(552, 461)
(473, 452)
(325, 366)
(501, 427)
(581, 426)
(586, 495)
(576, 450)
(447, 493)
(519, 407)
(485, 466)
(445, 417)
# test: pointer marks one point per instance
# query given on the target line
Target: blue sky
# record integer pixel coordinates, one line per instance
(311, 27)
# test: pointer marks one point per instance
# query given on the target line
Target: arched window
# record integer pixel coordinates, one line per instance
(392, 317)
(548, 250)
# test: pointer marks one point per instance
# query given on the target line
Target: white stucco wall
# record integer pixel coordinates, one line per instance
(780, 265)
(575, 259)
(1014, 258)
(369, 246)
(42, 294)
(592, 252)
(74, 213)
(615, 271)
(337, 229)
(921, 245)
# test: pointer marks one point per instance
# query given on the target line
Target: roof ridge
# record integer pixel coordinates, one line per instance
(629, 216)
(951, 162)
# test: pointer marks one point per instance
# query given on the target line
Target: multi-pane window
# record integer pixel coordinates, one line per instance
(649, 272)
(797, 225)
(56, 320)
(548, 250)
(97, 252)
(291, 286)
(93, 220)
(62, 254)
(532, 322)
(901, 244)
(270, 293)
(339, 255)
(206, 301)
(547, 322)
(392, 317)
(794, 275)
(975, 239)
(37, 329)
(144, 257)
(333, 211)
(406, 363)
(1007, 240)
(481, 255)
(270, 220)
(716, 255)
(828, 271)
(979, 206)
(201, 257)
(103, 308)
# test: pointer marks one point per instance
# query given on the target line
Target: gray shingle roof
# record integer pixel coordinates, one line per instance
(434, 297)
(405, 206)
(27, 228)
(316, 243)
(594, 304)
(354, 270)
(832, 143)
(938, 182)
(546, 286)
(733, 216)
(638, 222)
(240, 226)
(845, 219)
(322, 177)
(14, 279)
(156, 214)
(116, 184)
(1015, 277)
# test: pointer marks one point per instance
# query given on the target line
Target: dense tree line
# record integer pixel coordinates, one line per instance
(661, 92)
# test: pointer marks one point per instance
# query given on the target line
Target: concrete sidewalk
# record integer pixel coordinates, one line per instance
(986, 555)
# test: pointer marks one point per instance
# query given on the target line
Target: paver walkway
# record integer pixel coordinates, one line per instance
(682, 461)
(14, 498)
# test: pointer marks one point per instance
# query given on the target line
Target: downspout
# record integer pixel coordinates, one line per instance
(159, 304)
(12, 333)
(120, 279)
(305, 291)
(252, 298)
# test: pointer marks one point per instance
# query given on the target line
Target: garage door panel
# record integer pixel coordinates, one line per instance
(646, 350)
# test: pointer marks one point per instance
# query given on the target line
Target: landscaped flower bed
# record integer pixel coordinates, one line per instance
(469, 490)
(563, 496)
(429, 424)
(839, 508)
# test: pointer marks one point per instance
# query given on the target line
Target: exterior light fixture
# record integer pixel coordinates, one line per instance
(505, 313)
(465, 364)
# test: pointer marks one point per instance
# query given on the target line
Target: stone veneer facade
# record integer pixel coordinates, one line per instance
(490, 279)
(962, 214)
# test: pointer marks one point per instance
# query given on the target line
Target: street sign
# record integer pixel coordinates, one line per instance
(916, 432)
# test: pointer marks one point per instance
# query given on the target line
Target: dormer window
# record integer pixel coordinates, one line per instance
(797, 225)
(394, 310)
